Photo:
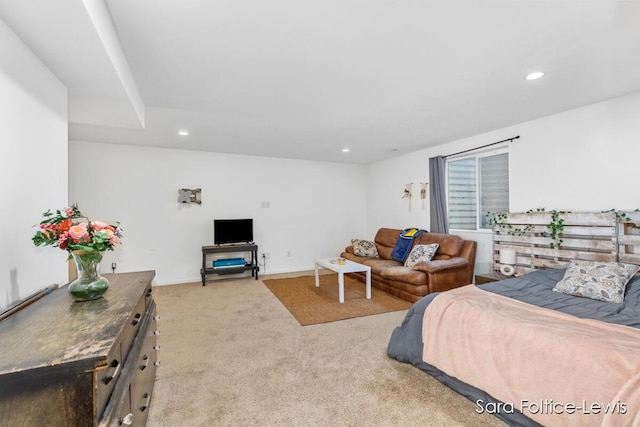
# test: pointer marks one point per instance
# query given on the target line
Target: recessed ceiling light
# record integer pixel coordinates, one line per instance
(183, 132)
(345, 150)
(534, 76)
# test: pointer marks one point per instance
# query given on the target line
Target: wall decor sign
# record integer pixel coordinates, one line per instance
(188, 195)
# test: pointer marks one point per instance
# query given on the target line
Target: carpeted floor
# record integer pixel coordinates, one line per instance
(311, 305)
(232, 355)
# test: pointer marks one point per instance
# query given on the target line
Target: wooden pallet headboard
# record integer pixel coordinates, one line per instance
(589, 236)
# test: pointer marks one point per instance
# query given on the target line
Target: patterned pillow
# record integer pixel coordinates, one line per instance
(421, 253)
(364, 248)
(602, 281)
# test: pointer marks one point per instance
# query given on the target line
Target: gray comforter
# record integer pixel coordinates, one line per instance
(534, 288)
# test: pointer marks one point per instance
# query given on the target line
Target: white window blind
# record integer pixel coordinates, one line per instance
(461, 184)
(477, 185)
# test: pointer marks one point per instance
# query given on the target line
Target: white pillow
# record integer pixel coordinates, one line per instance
(421, 253)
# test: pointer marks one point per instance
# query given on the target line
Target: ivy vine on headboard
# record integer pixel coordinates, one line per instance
(623, 216)
(497, 219)
(555, 226)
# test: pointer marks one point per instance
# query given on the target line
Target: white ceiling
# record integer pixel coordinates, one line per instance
(303, 79)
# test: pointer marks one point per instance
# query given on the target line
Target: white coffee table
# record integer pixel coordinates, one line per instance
(348, 267)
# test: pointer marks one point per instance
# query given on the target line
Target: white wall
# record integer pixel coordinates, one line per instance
(578, 160)
(33, 168)
(316, 207)
(582, 160)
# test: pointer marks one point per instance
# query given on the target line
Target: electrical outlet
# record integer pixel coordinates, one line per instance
(113, 266)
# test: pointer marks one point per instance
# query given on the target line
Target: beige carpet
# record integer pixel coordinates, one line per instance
(311, 305)
(232, 355)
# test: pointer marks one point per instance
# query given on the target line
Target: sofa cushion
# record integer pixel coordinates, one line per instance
(421, 253)
(379, 264)
(404, 274)
(386, 240)
(359, 259)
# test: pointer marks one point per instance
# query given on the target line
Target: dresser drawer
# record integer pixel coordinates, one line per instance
(123, 416)
(132, 325)
(129, 404)
(148, 295)
(144, 375)
(107, 377)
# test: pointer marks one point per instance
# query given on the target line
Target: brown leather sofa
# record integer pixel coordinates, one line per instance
(451, 267)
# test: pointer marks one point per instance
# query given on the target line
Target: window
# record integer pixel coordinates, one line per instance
(477, 185)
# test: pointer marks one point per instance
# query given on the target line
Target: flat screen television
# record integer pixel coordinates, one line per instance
(232, 231)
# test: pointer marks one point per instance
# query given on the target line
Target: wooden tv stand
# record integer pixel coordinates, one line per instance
(250, 265)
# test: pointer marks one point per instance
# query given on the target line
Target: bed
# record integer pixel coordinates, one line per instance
(528, 354)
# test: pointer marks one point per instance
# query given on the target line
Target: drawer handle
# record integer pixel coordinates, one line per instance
(108, 378)
(156, 318)
(156, 332)
(147, 398)
(136, 319)
(156, 347)
(156, 363)
(149, 292)
(146, 362)
(127, 420)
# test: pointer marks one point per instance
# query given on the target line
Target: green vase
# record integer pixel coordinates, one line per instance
(89, 284)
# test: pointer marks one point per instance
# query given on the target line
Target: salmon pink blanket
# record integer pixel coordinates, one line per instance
(557, 369)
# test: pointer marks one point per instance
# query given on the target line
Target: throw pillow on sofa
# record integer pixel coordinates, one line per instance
(364, 248)
(421, 253)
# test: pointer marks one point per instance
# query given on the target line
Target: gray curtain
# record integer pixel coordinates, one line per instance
(438, 195)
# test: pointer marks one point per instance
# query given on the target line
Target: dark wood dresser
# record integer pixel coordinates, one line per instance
(92, 363)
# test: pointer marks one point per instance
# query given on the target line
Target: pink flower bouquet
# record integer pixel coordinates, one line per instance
(71, 231)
